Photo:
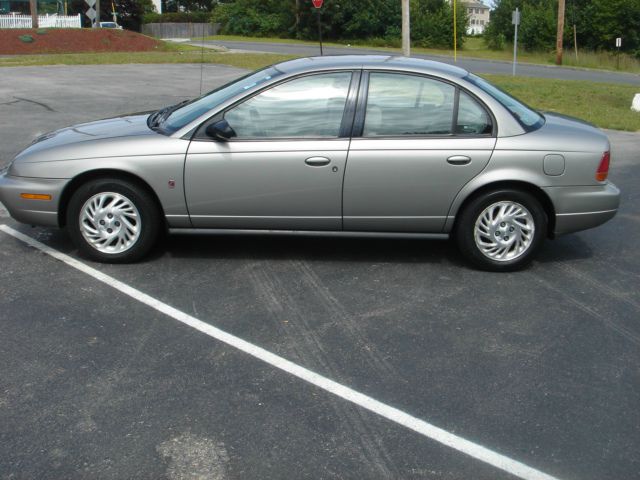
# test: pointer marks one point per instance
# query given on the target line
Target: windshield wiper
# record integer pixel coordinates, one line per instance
(168, 111)
(155, 119)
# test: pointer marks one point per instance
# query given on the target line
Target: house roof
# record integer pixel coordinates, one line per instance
(473, 4)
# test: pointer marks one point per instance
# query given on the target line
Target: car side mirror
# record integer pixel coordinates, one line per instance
(220, 131)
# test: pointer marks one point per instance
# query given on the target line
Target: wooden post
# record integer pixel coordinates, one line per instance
(97, 13)
(33, 6)
(560, 32)
(297, 14)
(575, 41)
(406, 29)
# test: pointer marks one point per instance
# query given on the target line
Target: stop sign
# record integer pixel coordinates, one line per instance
(317, 3)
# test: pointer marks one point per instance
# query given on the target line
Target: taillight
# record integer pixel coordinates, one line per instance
(603, 169)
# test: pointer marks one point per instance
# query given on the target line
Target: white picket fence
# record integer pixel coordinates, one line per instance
(44, 21)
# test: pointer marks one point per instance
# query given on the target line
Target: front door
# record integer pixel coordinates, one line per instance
(285, 165)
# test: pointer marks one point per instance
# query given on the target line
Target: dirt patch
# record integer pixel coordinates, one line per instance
(76, 40)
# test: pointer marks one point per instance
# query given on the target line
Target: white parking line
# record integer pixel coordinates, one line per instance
(444, 437)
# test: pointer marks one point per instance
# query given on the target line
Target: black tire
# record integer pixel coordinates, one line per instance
(466, 223)
(149, 226)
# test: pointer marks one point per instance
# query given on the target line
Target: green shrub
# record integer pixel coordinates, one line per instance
(241, 19)
(42, 31)
(496, 42)
(26, 38)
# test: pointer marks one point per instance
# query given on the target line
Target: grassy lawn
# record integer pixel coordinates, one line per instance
(173, 54)
(475, 47)
(603, 104)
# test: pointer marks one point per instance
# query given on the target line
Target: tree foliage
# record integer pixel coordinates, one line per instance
(432, 20)
(598, 23)
(129, 13)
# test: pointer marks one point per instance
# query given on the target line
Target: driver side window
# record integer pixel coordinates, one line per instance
(307, 107)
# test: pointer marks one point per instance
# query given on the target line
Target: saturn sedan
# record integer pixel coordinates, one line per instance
(341, 145)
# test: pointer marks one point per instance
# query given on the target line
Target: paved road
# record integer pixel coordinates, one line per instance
(476, 66)
(542, 366)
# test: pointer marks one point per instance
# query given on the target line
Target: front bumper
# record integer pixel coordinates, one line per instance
(580, 208)
(33, 212)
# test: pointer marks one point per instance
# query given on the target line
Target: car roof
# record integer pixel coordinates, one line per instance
(393, 62)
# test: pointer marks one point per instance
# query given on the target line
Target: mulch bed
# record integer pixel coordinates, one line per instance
(73, 40)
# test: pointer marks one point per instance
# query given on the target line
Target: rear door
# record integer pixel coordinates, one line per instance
(417, 141)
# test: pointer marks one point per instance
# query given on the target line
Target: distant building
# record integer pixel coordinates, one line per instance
(479, 17)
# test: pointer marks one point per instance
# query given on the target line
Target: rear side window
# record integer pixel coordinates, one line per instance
(401, 105)
(526, 116)
(473, 119)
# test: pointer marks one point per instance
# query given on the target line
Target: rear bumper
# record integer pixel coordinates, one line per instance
(33, 212)
(580, 208)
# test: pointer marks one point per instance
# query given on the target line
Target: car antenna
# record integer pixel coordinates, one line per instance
(202, 59)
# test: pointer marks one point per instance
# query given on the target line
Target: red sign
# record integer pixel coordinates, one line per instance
(317, 3)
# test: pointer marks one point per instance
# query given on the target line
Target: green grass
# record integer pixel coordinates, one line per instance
(603, 104)
(474, 47)
(181, 54)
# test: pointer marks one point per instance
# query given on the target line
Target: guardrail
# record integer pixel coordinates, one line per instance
(44, 21)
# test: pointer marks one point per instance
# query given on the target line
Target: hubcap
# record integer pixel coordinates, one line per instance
(504, 231)
(110, 222)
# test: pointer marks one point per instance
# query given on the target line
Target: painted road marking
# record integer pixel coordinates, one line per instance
(444, 437)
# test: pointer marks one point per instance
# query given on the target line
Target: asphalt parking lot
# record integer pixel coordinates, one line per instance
(540, 367)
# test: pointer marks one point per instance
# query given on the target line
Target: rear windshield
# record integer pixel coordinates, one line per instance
(192, 110)
(526, 116)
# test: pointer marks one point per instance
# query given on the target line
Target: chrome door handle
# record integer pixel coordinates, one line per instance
(317, 161)
(459, 160)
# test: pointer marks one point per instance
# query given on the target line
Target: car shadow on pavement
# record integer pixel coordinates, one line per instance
(564, 248)
(331, 249)
(294, 247)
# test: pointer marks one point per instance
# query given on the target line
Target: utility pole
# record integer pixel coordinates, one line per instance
(455, 32)
(97, 7)
(298, 19)
(33, 6)
(560, 32)
(406, 29)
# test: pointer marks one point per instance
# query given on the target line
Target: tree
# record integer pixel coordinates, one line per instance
(33, 6)
(612, 19)
(129, 12)
(378, 20)
(432, 23)
(598, 23)
(188, 5)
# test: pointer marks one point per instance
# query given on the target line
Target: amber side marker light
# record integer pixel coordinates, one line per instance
(35, 196)
(603, 169)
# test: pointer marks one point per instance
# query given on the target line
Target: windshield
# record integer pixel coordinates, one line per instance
(528, 118)
(185, 114)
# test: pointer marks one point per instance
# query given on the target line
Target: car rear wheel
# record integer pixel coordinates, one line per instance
(501, 230)
(113, 220)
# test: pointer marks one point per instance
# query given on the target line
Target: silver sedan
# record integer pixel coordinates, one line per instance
(341, 145)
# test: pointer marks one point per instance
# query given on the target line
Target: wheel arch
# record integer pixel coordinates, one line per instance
(79, 180)
(534, 190)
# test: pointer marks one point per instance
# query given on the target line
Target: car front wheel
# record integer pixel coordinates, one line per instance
(113, 220)
(501, 230)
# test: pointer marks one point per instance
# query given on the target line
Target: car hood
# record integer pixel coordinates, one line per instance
(127, 136)
(127, 126)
